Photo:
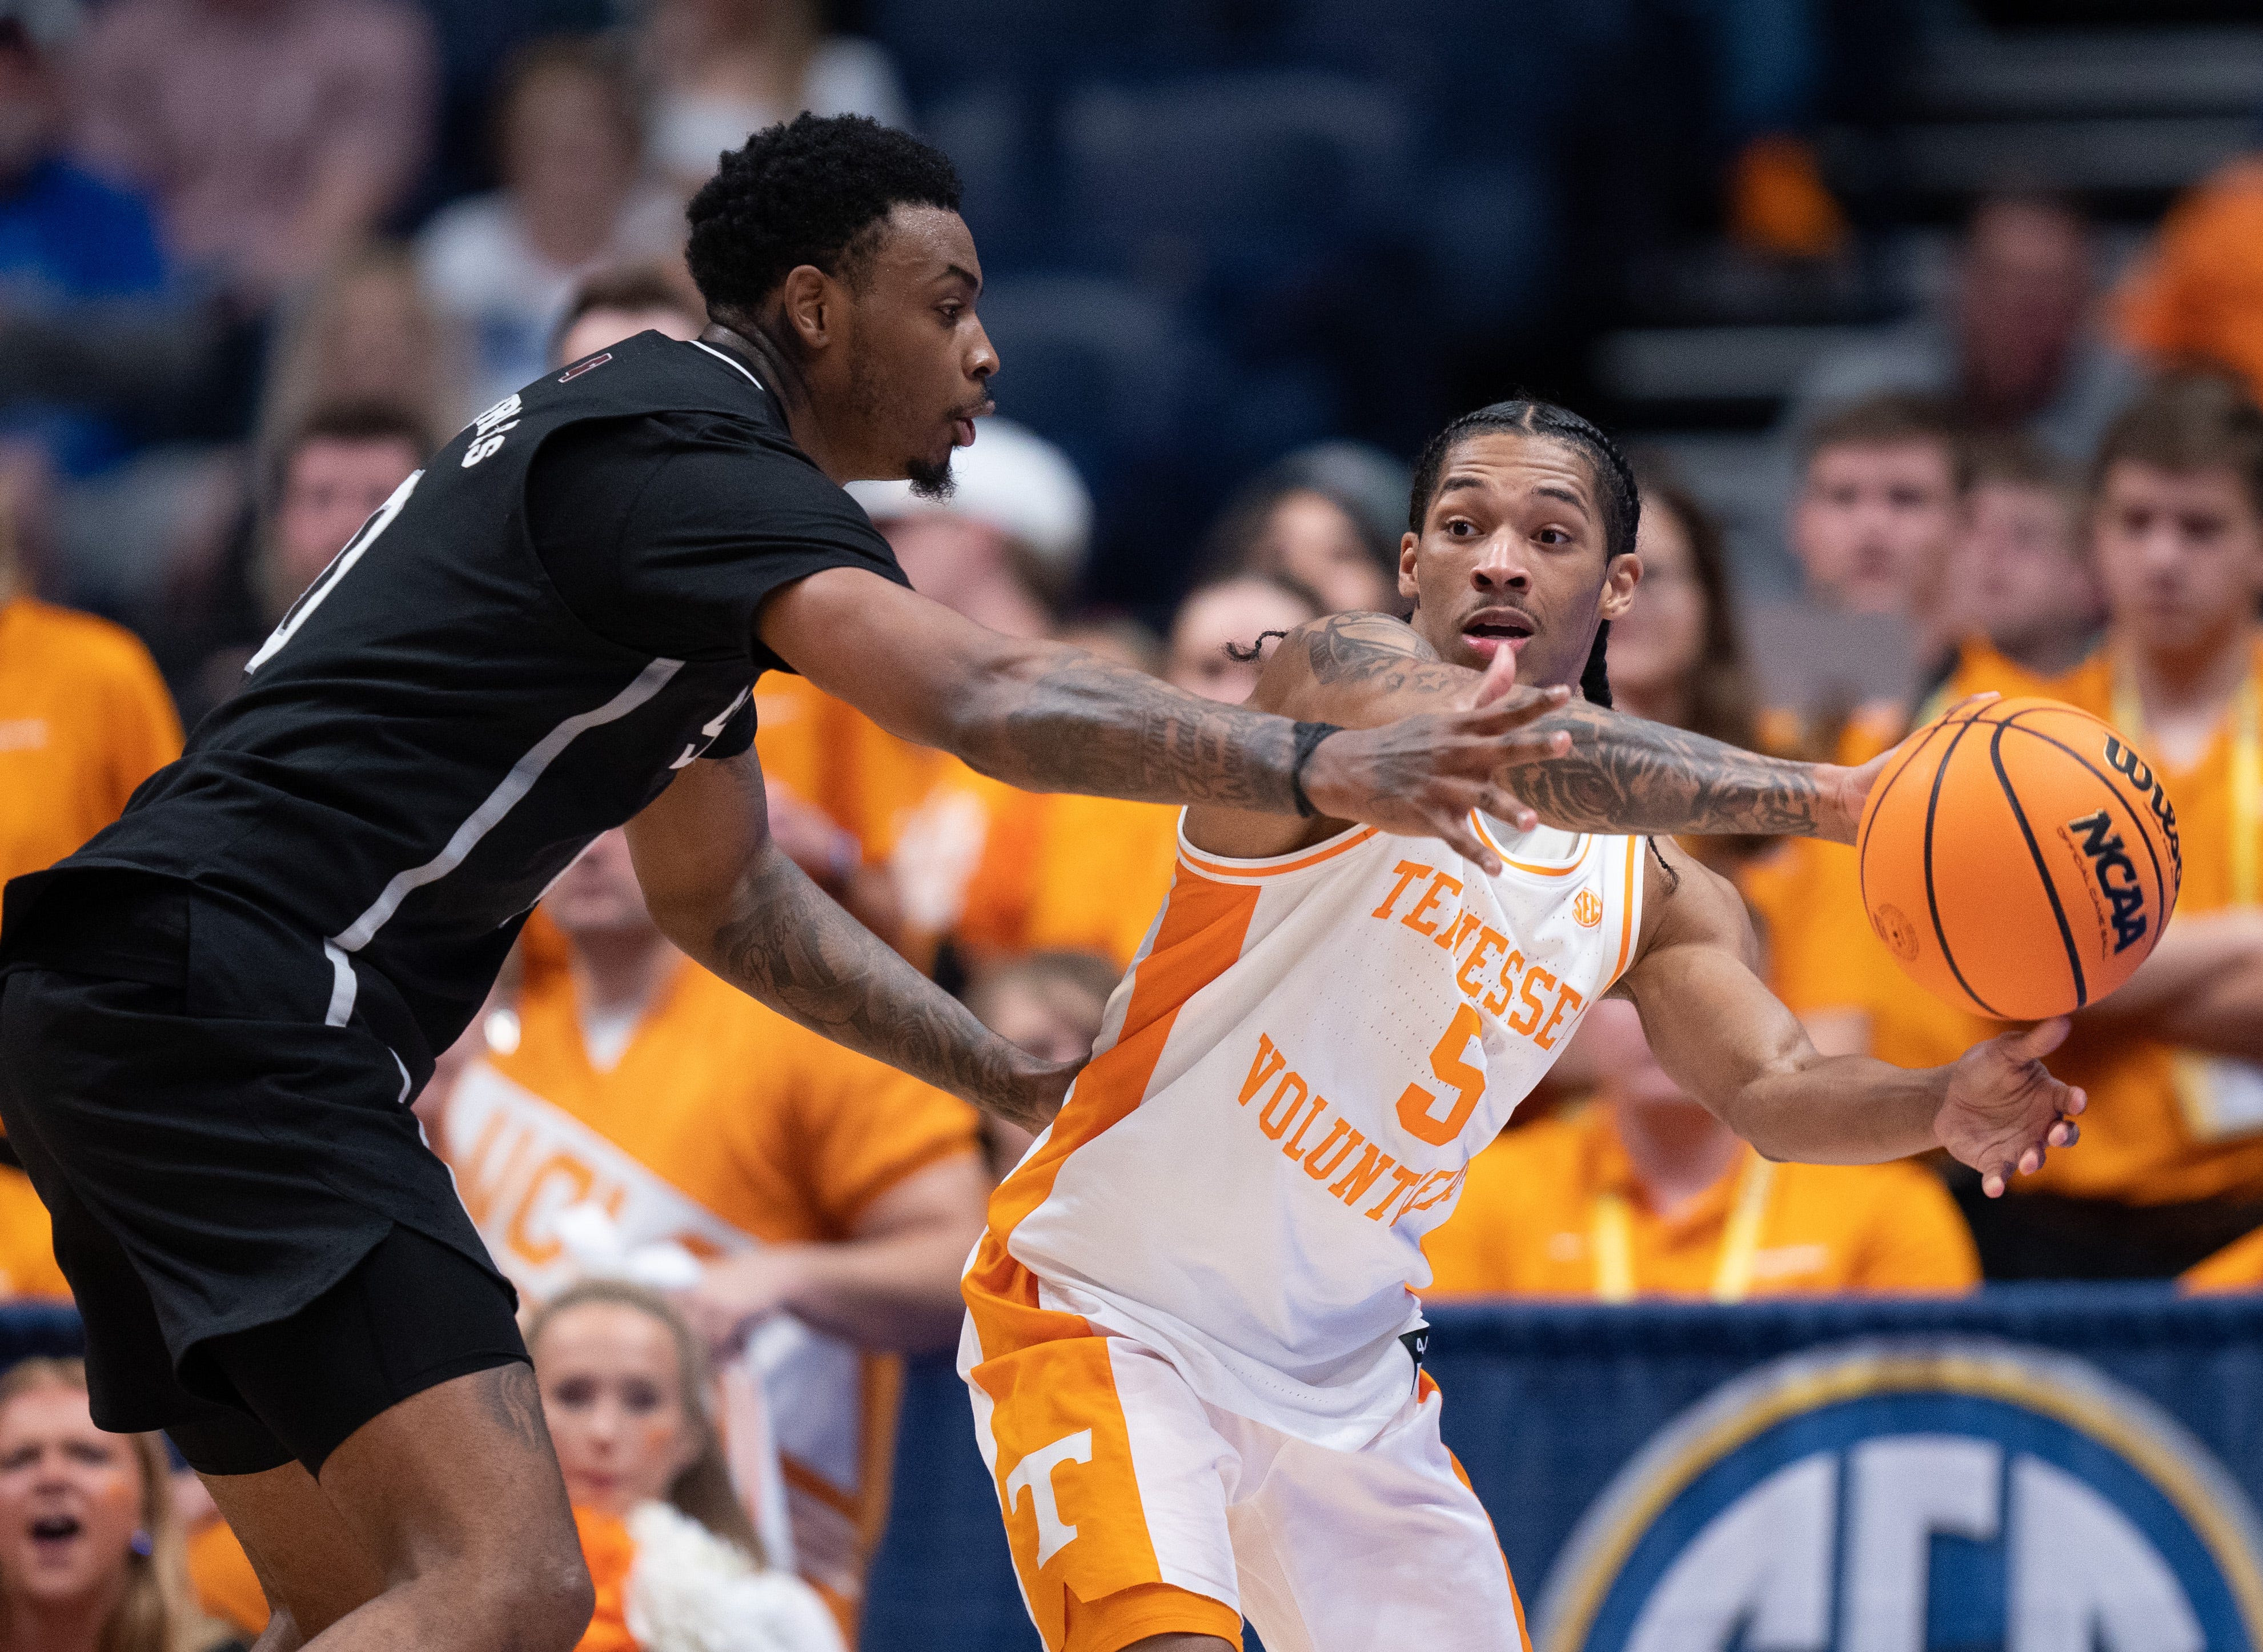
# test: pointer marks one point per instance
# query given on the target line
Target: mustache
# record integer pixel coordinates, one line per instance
(981, 409)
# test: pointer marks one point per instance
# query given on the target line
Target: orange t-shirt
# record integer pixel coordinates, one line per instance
(2238, 1266)
(2146, 1137)
(227, 1587)
(1526, 1222)
(723, 1126)
(2198, 294)
(84, 719)
(27, 1241)
(1005, 870)
(1823, 956)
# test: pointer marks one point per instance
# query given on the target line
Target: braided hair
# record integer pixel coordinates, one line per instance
(1620, 502)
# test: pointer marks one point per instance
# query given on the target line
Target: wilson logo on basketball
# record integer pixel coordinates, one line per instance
(1588, 909)
(2116, 874)
(2128, 764)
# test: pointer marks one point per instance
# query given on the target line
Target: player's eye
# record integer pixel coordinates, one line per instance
(1461, 527)
(1553, 536)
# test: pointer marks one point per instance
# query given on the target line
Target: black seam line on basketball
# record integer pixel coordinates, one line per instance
(1862, 874)
(1932, 902)
(2160, 884)
(2035, 854)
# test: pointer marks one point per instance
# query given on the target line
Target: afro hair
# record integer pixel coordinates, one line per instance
(808, 192)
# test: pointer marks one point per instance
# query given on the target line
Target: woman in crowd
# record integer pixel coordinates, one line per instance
(574, 200)
(722, 69)
(631, 1405)
(91, 1553)
(1327, 518)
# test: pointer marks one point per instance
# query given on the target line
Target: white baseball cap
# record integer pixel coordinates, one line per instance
(1012, 480)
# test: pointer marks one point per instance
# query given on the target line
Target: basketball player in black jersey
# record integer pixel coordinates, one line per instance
(213, 1018)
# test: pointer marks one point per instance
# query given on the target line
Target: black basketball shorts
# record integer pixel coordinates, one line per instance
(264, 1252)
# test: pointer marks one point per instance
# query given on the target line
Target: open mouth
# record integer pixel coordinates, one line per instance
(55, 1528)
(1495, 629)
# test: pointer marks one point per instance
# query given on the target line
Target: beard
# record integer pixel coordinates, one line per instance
(930, 480)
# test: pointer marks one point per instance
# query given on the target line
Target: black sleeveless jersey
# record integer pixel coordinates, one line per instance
(444, 720)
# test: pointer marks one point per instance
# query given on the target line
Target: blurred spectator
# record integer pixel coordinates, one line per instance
(1051, 1003)
(2197, 297)
(275, 135)
(2020, 580)
(1223, 632)
(367, 333)
(617, 304)
(2019, 348)
(574, 201)
(632, 1407)
(1115, 636)
(1328, 517)
(1678, 655)
(91, 1549)
(649, 1105)
(330, 475)
(67, 240)
(2171, 1166)
(724, 69)
(1646, 1194)
(84, 719)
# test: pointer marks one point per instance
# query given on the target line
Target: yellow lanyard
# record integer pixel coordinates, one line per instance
(2247, 778)
(1611, 1236)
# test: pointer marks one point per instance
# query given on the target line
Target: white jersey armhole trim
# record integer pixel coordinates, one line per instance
(1236, 869)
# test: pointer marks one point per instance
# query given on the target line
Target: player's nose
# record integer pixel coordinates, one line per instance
(1501, 563)
(983, 361)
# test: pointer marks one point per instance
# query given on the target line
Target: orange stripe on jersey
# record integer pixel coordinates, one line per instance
(1275, 868)
(1626, 909)
(1565, 870)
(1199, 939)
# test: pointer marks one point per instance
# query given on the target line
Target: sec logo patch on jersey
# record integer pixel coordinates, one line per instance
(1914, 1493)
(1587, 908)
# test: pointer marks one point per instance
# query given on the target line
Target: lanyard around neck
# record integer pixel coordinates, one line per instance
(1612, 1238)
(2246, 778)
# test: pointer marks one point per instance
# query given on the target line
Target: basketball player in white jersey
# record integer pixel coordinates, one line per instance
(1193, 1342)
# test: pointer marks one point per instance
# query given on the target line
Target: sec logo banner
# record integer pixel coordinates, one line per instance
(1914, 1496)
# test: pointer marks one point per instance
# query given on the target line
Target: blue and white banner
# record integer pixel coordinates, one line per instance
(2041, 1468)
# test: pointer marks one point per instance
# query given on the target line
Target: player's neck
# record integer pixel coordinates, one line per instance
(785, 380)
(621, 969)
(1678, 1153)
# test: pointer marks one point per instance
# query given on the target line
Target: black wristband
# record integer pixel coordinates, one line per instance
(1309, 735)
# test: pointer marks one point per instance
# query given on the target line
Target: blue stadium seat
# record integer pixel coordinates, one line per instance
(941, 49)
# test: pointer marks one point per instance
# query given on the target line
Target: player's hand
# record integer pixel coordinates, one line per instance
(2004, 1110)
(1846, 790)
(1034, 1093)
(1422, 775)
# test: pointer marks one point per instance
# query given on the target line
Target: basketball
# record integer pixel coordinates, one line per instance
(2019, 859)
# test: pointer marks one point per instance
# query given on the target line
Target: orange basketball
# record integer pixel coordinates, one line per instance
(2019, 859)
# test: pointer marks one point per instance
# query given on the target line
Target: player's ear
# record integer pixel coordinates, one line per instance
(1619, 581)
(1407, 586)
(806, 305)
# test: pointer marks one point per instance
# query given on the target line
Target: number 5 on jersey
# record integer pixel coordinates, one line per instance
(1417, 1107)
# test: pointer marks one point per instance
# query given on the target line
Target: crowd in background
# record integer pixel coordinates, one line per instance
(259, 258)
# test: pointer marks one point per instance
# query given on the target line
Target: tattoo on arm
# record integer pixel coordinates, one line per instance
(515, 1405)
(795, 950)
(1083, 724)
(1622, 775)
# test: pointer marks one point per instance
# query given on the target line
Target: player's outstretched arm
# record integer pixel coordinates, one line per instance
(1727, 1040)
(1603, 772)
(1048, 718)
(2201, 988)
(721, 890)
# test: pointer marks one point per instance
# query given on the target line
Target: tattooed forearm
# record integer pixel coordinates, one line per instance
(1624, 774)
(787, 945)
(1376, 652)
(1074, 722)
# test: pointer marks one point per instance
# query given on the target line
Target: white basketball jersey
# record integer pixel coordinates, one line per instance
(1289, 1084)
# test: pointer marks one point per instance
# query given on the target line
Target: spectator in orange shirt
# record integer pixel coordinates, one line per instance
(2197, 296)
(1645, 1194)
(2172, 1162)
(632, 1407)
(816, 1206)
